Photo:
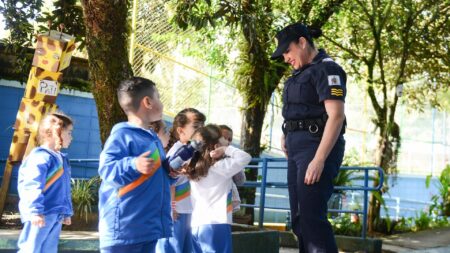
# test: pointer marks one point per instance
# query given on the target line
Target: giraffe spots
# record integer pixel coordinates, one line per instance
(49, 78)
(17, 125)
(22, 107)
(49, 99)
(32, 92)
(34, 103)
(51, 45)
(15, 139)
(31, 119)
(39, 72)
(71, 48)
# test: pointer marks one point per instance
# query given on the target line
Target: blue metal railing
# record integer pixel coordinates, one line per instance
(263, 184)
(89, 168)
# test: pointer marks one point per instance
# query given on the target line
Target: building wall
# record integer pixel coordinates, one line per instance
(80, 106)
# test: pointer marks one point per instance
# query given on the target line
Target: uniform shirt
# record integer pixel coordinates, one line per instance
(133, 207)
(182, 187)
(307, 88)
(211, 195)
(44, 184)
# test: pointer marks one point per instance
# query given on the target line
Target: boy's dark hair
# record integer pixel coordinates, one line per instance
(131, 92)
(225, 127)
(202, 161)
(181, 120)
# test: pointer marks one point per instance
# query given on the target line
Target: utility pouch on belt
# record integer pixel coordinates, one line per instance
(313, 126)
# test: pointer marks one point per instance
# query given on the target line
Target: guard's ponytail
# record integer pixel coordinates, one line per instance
(314, 32)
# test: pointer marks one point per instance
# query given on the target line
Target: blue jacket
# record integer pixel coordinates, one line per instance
(44, 185)
(133, 208)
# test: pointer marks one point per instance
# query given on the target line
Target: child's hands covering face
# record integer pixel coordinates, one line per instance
(218, 152)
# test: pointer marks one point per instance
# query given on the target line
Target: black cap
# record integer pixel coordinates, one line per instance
(287, 35)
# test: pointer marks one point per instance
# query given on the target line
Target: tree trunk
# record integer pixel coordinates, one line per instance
(252, 122)
(386, 158)
(106, 41)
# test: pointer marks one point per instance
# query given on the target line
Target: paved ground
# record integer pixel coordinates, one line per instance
(429, 241)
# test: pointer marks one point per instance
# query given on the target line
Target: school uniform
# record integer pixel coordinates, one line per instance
(44, 189)
(134, 209)
(181, 239)
(211, 201)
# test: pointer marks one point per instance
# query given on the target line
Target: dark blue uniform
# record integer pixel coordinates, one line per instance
(305, 116)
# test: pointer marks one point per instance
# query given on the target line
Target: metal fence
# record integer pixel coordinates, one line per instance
(266, 164)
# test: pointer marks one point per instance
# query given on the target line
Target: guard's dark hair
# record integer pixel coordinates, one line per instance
(314, 33)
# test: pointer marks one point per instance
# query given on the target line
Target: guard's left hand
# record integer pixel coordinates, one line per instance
(314, 171)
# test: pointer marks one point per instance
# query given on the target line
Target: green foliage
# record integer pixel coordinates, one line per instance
(343, 225)
(19, 20)
(85, 196)
(69, 13)
(422, 221)
(441, 201)
(17, 16)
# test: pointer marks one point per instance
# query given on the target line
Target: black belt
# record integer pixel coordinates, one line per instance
(314, 126)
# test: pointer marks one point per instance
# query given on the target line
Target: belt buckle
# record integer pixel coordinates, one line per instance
(313, 128)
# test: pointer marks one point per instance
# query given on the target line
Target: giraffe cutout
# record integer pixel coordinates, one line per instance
(52, 55)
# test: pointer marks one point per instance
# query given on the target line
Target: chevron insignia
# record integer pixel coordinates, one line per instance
(337, 92)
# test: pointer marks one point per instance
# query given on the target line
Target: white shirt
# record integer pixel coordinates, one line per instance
(211, 195)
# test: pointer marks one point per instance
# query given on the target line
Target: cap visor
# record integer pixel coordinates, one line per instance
(279, 51)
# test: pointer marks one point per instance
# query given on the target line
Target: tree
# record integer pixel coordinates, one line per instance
(392, 45)
(17, 15)
(106, 42)
(257, 76)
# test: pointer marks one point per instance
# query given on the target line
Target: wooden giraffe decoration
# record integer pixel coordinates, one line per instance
(52, 55)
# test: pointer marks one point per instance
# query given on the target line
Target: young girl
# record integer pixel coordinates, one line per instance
(184, 125)
(44, 187)
(210, 172)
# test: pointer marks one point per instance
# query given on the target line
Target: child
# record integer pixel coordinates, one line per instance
(159, 127)
(184, 125)
(134, 197)
(239, 178)
(44, 187)
(210, 172)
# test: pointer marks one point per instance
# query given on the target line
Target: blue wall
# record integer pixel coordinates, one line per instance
(86, 142)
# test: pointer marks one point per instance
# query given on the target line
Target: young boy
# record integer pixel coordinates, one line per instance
(134, 205)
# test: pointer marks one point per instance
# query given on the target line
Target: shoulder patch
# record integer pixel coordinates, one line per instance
(334, 80)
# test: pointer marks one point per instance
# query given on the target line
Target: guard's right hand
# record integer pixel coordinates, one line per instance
(283, 145)
(38, 220)
(145, 165)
